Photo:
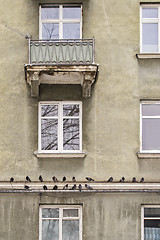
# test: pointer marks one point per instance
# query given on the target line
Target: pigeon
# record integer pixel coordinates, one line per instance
(11, 179)
(74, 187)
(73, 179)
(88, 187)
(40, 178)
(55, 187)
(65, 187)
(64, 179)
(26, 187)
(134, 179)
(80, 187)
(89, 179)
(45, 187)
(28, 179)
(142, 180)
(110, 179)
(54, 179)
(122, 179)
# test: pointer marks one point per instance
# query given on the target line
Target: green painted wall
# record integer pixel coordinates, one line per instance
(110, 117)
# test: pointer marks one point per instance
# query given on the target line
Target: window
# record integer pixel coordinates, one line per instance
(150, 222)
(60, 127)
(150, 127)
(60, 223)
(150, 28)
(60, 22)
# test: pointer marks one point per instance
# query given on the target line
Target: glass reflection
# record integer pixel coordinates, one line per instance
(70, 230)
(50, 31)
(49, 110)
(150, 37)
(50, 12)
(50, 230)
(151, 134)
(49, 138)
(149, 12)
(71, 30)
(70, 212)
(71, 134)
(50, 212)
(72, 12)
(70, 110)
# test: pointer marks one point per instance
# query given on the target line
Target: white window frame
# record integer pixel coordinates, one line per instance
(150, 20)
(142, 117)
(143, 218)
(61, 207)
(60, 126)
(60, 20)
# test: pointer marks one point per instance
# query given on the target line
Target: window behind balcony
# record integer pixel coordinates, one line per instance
(60, 22)
(60, 127)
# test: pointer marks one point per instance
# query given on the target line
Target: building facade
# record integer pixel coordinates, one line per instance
(80, 120)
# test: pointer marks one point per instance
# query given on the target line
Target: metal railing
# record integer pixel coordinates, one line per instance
(67, 51)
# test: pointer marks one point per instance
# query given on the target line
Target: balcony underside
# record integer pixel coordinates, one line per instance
(85, 75)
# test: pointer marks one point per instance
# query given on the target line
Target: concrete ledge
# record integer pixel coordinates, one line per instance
(148, 155)
(60, 155)
(101, 187)
(148, 55)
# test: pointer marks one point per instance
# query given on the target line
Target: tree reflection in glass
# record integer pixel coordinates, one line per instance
(50, 230)
(49, 127)
(71, 127)
(70, 230)
(57, 121)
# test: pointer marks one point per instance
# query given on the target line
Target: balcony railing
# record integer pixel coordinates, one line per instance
(61, 51)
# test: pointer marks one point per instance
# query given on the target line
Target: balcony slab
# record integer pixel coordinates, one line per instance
(85, 75)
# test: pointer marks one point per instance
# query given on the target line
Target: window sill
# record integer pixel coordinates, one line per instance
(148, 55)
(60, 155)
(148, 155)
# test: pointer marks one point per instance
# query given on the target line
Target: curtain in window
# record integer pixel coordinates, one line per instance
(151, 233)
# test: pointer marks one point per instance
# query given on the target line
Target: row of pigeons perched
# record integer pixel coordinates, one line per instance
(89, 179)
(74, 187)
(66, 187)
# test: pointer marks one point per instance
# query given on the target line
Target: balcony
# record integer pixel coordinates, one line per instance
(61, 62)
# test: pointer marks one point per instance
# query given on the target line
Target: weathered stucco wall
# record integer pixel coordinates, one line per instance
(105, 216)
(110, 117)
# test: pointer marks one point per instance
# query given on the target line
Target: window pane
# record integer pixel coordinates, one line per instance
(50, 31)
(152, 212)
(49, 110)
(149, 12)
(70, 212)
(71, 134)
(50, 212)
(70, 230)
(49, 129)
(71, 110)
(151, 134)
(72, 12)
(151, 109)
(50, 12)
(50, 230)
(71, 30)
(151, 233)
(150, 37)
